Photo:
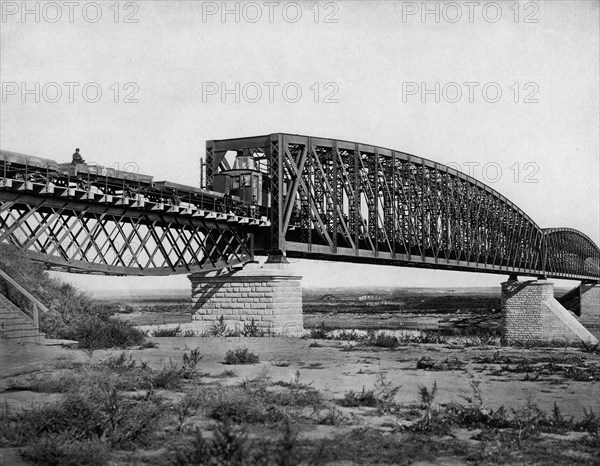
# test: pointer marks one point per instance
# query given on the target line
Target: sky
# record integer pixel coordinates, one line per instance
(507, 92)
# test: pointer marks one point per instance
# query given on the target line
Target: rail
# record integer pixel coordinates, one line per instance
(36, 305)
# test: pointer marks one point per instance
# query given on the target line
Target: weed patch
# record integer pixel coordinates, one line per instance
(241, 356)
(167, 332)
(448, 364)
(237, 406)
(354, 399)
(568, 366)
(61, 450)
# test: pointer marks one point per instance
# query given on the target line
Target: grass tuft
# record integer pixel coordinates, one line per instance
(241, 356)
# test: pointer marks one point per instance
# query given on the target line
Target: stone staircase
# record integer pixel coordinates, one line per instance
(15, 324)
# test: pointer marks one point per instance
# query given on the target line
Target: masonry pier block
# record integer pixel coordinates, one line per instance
(532, 315)
(271, 297)
(589, 299)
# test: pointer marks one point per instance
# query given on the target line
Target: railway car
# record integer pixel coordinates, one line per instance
(244, 181)
(94, 170)
(15, 165)
(240, 191)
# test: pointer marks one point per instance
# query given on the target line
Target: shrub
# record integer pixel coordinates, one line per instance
(251, 330)
(95, 411)
(120, 362)
(99, 333)
(354, 399)
(218, 328)
(383, 340)
(149, 345)
(60, 450)
(238, 406)
(241, 356)
(71, 314)
(349, 335)
(167, 332)
(190, 361)
(168, 377)
(228, 447)
(447, 364)
(321, 332)
(427, 395)
(332, 417)
(381, 396)
(225, 374)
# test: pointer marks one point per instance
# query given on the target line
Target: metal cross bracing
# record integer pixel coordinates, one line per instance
(321, 198)
(345, 201)
(93, 227)
(571, 253)
(80, 237)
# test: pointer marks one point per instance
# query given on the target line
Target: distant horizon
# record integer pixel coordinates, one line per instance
(161, 291)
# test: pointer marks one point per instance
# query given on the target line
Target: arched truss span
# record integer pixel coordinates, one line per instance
(345, 201)
(571, 253)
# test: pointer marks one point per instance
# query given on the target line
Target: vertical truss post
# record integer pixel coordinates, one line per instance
(275, 153)
(335, 185)
(355, 208)
(394, 212)
(210, 166)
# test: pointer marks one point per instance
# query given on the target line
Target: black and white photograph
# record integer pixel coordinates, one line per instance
(309, 232)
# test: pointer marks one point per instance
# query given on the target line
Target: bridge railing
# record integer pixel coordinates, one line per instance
(35, 306)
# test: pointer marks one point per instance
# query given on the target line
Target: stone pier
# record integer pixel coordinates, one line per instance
(271, 297)
(532, 315)
(589, 300)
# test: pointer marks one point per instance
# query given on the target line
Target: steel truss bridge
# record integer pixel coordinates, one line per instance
(327, 199)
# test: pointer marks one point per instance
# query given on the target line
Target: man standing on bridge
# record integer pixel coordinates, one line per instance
(77, 158)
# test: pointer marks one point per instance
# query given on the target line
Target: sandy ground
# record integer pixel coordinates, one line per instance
(331, 368)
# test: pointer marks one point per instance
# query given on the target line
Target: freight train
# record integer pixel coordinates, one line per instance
(238, 191)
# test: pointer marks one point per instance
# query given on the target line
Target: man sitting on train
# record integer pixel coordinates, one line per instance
(77, 158)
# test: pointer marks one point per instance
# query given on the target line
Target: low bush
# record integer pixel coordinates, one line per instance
(300, 394)
(241, 356)
(238, 406)
(167, 332)
(218, 328)
(349, 335)
(190, 361)
(380, 397)
(447, 364)
(149, 345)
(71, 315)
(100, 333)
(95, 412)
(251, 330)
(231, 446)
(224, 374)
(61, 450)
(382, 340)
(354, 399)
(169, 377)
(321, 332)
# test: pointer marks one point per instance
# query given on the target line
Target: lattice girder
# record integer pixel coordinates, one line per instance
(83, 237)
